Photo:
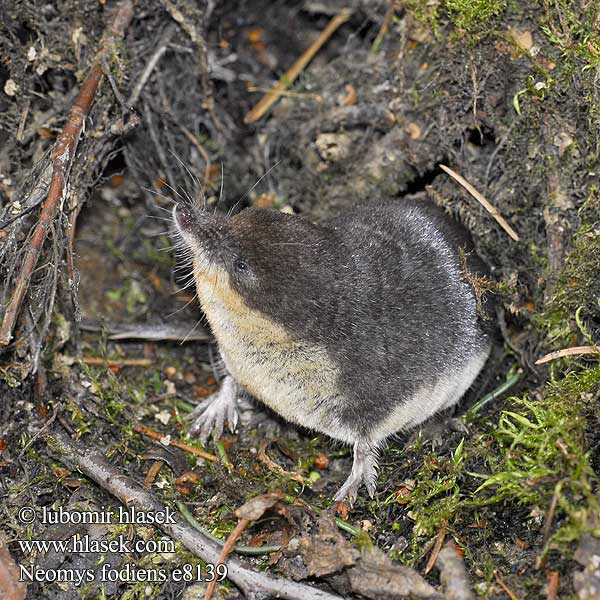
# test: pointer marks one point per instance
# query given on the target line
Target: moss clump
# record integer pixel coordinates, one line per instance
(542, 451)
(573, 29)
(472, 14)
(467, 15)
(426, 13)
(576, 299)
(536, 452)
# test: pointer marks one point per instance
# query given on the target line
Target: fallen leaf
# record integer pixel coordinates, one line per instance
(186, 482)
(350, 97)
(71, 483)
(376, 576)
(10, 586)
(60, 472)
(266, 200)
(342, 509)
(321, 461)
(10, 87)
(200, 391)
(524, 39)
(414, 131)
(255, 508)
(255, 35)
(328, 551)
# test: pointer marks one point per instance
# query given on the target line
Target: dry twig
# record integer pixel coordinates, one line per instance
(290, 76)
(553, 580)
(169, 442)
(250, 511)
(152, 473)
(273, 466)
(453, 574)
(21, 129)
(503, 585)
(151, 65)
(574, 351)
(480, 198)
(551, 511)
(255, 585)
(439, 540)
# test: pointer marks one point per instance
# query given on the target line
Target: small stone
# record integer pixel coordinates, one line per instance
(10, 87)
(414, 131)
(333, 147)
(163, 417)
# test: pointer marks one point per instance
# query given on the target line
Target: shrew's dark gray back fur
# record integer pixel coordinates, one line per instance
(381, 287)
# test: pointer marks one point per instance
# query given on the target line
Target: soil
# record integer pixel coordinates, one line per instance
(508, 97)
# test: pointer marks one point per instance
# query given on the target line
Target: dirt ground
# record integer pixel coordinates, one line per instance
(507, 94)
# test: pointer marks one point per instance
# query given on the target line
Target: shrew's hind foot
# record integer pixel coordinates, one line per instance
(435, 430)
(364, 470)
(210, 415)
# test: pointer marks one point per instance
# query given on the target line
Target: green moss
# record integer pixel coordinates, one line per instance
(572, 28)
(577, 292)
(473, 14)
(467, 15)
(426, 13)
(534, 453)
(542, 451)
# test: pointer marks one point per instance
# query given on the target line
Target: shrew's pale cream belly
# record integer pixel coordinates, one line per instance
(298, 380)
(295, 379)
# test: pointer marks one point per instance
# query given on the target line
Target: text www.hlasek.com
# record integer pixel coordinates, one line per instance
(78, 543)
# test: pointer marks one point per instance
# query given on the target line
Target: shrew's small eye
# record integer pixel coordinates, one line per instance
(240, 265)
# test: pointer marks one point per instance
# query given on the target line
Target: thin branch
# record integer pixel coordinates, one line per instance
(255, 585)
(503, 585)
(225, 551)
(169, 442)
(62, 156)
(21, 130)
(290, 76)
(151, 65)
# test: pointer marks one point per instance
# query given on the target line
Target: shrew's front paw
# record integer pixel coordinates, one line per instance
(210, 415)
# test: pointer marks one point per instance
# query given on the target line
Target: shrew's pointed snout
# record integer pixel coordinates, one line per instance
(202, 232)
(182, 217)
(190, 221)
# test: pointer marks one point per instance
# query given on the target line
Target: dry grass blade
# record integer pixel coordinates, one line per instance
(481, 199)
(574, 351)
(168, 442)
(117, 363)
(439, 540)
(290, 76)
(503, 585)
